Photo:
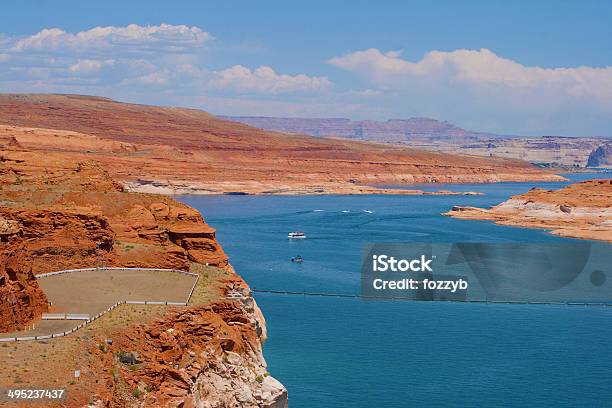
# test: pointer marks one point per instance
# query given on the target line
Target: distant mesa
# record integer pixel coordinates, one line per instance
(601, 157)
(390, 130)
(442, 136)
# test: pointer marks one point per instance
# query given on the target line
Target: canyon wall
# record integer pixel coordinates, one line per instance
(60, 209)
(22, 301)
(205, 356)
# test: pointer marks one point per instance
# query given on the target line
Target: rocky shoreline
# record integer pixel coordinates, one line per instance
(159, 187)
(57, 214)
(88, 180)
(580, 210)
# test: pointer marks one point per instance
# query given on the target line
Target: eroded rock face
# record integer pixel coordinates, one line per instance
(69, 211)
(58, 240)
(68, 208)
(22, 301)
(580, 210)
(205, 356)
(176, 228)
(601, 157)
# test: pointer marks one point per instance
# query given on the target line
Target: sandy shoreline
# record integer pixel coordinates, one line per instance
(305, 190)
(275, 188)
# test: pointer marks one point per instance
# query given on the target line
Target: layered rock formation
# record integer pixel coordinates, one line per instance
(60, 208)
(392, 130)
(57, 239)
(73, 214)
(205, 356)
(580, 210)
(601, 157)
(172, 150)
(22, 301)
(209, 355)
(65, 163)
(430, 134)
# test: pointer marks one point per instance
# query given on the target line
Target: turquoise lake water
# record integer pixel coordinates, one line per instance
(339, 352)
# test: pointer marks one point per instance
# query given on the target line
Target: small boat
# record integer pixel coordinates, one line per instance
(368, 211)
(297, 259)
(296, 235)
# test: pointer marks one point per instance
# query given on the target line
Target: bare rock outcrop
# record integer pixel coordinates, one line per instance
(579, 210)
(205, 356)
(74, 214)
(56, 239)
(22, 301)
(601, 157)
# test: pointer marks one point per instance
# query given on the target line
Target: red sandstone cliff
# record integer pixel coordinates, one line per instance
(21, 299)
(61, 209)
(208, 355)
(73, 214)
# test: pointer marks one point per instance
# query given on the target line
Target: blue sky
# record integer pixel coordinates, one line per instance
(521, 67)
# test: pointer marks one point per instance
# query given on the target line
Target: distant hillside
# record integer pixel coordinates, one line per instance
(176, 150)
(442, 136)
(392, 130)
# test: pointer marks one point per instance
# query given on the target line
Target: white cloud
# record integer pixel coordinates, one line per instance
(158, 78)
(475, 68)
(265, 80)
(161, 58)
(89, 66)
(480, 90)
(366, 93)
(165, 63)
(166, 36)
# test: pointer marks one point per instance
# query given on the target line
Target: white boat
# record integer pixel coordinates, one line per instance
(296, 235)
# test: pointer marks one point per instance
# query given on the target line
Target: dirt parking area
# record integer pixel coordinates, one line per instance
(92, 292)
